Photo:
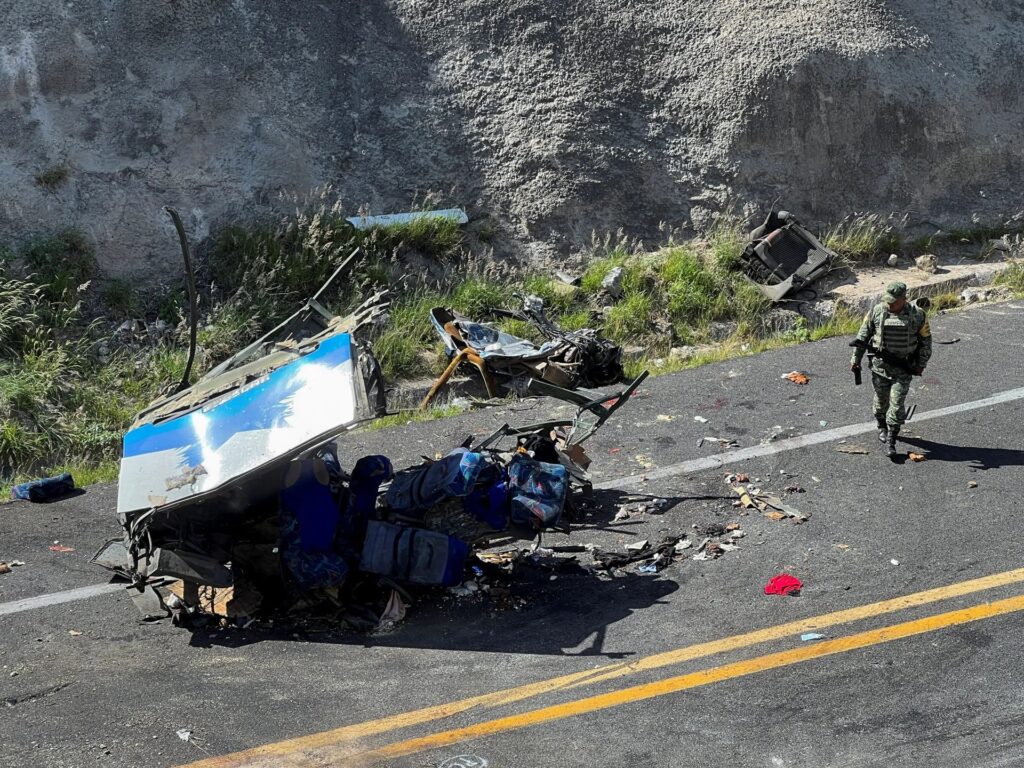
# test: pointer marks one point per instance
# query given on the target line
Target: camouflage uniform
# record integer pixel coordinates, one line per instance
(904, 334)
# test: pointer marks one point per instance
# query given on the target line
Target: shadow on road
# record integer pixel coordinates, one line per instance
(978, 457)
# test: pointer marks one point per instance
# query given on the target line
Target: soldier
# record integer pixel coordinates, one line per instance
(899, 332)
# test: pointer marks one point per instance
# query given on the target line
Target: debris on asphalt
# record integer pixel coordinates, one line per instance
(771, 506)
(637, 546)
(972, 483)
(948, 341)
(665, 417)
(644, 461)
(44, 489)
(394, 613)
(853, 449)
(184, 734)
(60, 548)
(659, 555)
(808, 636)
(797, 377)
(894, 561)
(700, 419)
(783, 584)
(916, 456)
(724, 442)
(74, 633)
(740, 478)
(263, 521)
(566, 359)
(4, 567)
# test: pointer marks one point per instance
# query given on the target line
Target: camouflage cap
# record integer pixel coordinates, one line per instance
(894, 291)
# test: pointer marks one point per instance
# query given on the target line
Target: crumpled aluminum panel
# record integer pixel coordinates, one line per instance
(305, 401)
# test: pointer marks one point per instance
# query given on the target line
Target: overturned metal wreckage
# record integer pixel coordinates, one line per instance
(567, 359)
(783, 257)
(236, 500)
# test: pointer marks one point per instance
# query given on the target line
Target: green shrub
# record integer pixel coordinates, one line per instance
(1013, 277)
(121, 298)
(61, 263)
(598, 270)
(53, 177)
(861, 237)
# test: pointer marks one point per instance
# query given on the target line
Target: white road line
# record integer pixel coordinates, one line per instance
(802, 441)
(56, 598)
(685, 467)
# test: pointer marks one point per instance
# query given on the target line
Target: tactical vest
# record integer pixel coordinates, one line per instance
(896, 334)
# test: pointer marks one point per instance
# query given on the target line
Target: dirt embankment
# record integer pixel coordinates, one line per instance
(553, 118)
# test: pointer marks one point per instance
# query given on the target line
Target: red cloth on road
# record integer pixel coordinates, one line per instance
(783, 584)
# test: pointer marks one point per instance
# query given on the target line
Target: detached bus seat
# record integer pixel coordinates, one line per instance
(783, 257)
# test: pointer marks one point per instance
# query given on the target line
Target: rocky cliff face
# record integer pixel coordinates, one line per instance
(555, 118)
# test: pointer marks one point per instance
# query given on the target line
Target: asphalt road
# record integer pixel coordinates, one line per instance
(931, 681)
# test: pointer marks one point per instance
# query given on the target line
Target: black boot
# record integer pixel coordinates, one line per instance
(894, 432)
(883, 430)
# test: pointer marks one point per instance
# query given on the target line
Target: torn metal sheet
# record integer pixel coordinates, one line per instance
(567, 359)
(783, 257)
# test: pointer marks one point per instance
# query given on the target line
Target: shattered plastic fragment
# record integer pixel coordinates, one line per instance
(916, 456)
(972, 484)
(894, 561)
(700, 419)
(649, 568)
(796, 377)
(637, 546)
(807, 636)
(665, 417)
(61, 548)
(184, 734)
(683, 544)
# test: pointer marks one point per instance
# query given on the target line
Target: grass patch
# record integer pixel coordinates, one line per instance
(944, 301)
(413, 416)
(53, 177)
(1013, 278)
(61, 263)
(121, 298)
(862, 237)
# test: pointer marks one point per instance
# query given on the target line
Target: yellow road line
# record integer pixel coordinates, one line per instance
(694, 679)
(358, 731)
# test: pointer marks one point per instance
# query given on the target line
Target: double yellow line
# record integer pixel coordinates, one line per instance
(346, 741)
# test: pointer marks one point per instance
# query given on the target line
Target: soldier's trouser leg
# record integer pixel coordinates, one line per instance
(897, 414)
(882, 386)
